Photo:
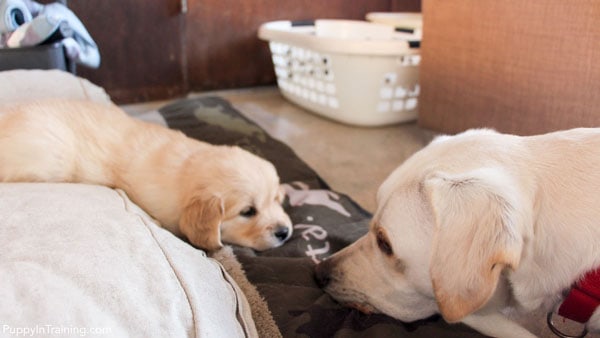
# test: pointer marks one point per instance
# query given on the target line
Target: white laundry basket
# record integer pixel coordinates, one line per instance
(356, 72)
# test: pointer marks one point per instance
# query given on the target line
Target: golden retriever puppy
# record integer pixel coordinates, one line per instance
(211, 194)
(476, 226)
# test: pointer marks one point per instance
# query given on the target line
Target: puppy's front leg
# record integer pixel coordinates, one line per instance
(497, 325)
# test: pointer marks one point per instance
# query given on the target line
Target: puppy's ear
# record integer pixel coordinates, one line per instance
(478, 218)
(200, 222)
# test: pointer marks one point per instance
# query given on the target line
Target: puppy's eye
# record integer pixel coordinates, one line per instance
(248, 212)
(384, 244)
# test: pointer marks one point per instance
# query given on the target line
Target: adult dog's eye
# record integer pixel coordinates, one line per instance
(248, 212)
(383, 243)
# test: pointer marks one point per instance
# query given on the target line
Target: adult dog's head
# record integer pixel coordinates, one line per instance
(449, 221)
(232, 196)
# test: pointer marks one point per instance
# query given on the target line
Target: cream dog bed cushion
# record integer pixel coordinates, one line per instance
(24, 85)
(85, 259)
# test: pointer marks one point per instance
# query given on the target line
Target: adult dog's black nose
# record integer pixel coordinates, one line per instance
(282, 232)
(323, 274)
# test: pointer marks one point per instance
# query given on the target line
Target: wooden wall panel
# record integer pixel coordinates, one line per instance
(405, 6)
(141, 47)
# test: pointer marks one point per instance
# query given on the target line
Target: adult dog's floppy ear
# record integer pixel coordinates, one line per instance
(201, 220)
(477, 235)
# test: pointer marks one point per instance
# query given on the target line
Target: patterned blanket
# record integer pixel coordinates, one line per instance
(324, 222)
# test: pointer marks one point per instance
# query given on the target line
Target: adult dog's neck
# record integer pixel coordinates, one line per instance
(566, 228)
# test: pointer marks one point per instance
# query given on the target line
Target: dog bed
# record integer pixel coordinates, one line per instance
(324, 222)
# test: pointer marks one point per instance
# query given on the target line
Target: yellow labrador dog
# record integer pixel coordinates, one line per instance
(211, 194)
(475, 226)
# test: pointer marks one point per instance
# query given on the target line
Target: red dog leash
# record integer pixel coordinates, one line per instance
(580, 303)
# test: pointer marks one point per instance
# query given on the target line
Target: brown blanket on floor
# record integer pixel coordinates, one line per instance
(324, 222)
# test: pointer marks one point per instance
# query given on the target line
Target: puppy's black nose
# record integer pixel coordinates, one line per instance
(282, 232)
(322, 274)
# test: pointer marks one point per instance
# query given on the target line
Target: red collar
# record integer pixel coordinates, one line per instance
(583, 299)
